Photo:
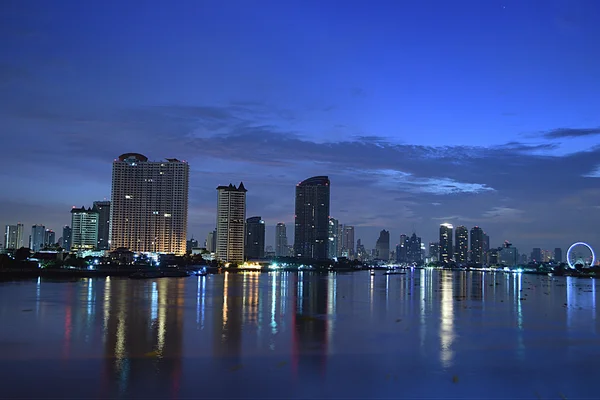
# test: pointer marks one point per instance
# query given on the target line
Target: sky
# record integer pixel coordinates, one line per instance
(420, 112)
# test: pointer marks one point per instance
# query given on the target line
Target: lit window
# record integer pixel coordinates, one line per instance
(128, 196)
(167, 215)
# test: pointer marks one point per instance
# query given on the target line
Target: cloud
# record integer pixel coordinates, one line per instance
(560, 133)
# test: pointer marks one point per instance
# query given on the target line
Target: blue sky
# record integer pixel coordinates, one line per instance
(472, 112)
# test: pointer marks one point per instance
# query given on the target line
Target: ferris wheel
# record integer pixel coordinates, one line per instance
(572, 262)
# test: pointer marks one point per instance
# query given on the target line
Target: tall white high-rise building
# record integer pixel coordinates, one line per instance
(446, 248)
(10, 237)
(231, 223)
(281, 241)
(149, 204)
(84, 229)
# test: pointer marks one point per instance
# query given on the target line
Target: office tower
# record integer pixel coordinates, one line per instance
(10, 237)
(67, 234)
(536, 255)
(558, 255)
(332, 247)
(255, 238)
(402, 249)
(191, 244)
(446, 243)
(231, 221)
(49, 237)
(508, 255)
(461, 243)
(340, 238)
(382, 246)
(348, 241)
(103, 209)
(36, 240)
(477, 243)
(281, 242)
(434, 251)
(149, 204)
(312, 218)
(414, 254)
(13, 237)
(84, 229)
(211, 241)
(486, 244)
(361, 252)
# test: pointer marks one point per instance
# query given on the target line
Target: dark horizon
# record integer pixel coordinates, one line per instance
(471, 113)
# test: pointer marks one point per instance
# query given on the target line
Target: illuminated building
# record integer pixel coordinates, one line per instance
(281, 242)
(13, 237)
(311, 231)
(332, 247)
(348, 241)
(36, 240)
(477, 253)
(462, 244)
(536, 255)
(231, 220)
(149, 204)
(446, 243)
(49, 237)
(255, 238)
(84, 229)
(382, 246)
(211, 241)
(103, 209)
(402, 249)
(508, 255)
(434, 251)
(414, 255)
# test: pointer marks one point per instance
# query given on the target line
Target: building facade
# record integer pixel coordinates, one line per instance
(281, 241)
(149, 204)
(461, 250)
(558, 257)
(103, 209)
(382, 246)
(67, 237)
(347, 241)
(231, 221)
(36, 240)
(311, 230)
(446, 247)
(11, 237)
(477, 245)
(332, 247)
(255, 238)
(84, 229)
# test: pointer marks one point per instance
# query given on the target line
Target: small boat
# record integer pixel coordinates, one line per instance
(394, 273)
(201, 272)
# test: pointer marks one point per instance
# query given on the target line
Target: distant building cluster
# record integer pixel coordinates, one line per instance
(148, 213)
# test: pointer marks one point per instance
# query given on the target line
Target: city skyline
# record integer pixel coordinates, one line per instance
(470, 123)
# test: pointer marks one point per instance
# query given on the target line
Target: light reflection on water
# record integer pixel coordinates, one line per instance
(298, 335)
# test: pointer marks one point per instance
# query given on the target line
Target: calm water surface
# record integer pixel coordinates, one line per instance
(252, 335)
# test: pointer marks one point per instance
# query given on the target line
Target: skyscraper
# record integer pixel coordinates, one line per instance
(348, 241)
(49, 237)
(211, 241)
(67, 235)
(414, 255)
(558, 255)
(103, 209)
(255, 238)
(332, 249)
(36, 240)
(434, 251)
(10, 237)
(462, 244)
(477, 253)
(84, 229)
(312, 218)
(281, 242)
(149, 204)
(446, 243)
(231, 221)
(402, 249)
(536, 254)
(382, 246)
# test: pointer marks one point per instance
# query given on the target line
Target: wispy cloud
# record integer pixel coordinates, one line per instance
(561, 133)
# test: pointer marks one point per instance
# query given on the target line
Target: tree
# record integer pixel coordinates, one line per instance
(22, 254)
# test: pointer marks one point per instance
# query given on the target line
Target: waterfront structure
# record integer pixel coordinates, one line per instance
(558, 255)
(461, 243)
(332, 246)
(434, 251)
(536, 255)
(67, 237)
(103, 209)
(255, 238)
(508, 255)
(231, 221)
(477, 245)
(382, 246)
(311, 228)
(36, 240)
(149, 204)
(414, 254)
(446, 243)
(84, 229)
(281, 241)
(348, 241)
